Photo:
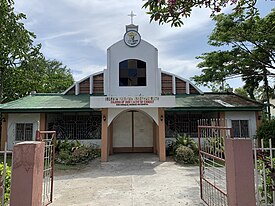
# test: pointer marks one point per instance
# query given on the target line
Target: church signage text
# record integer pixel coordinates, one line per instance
(132, 101)
(128, 101)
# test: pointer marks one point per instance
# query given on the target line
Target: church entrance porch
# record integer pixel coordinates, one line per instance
(133, 132)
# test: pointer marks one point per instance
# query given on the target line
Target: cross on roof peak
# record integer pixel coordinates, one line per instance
(132, 15)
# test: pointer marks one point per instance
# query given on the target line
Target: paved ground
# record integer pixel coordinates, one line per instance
(129, 180)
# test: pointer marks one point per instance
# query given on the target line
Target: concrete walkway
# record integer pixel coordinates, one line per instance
(129, 180)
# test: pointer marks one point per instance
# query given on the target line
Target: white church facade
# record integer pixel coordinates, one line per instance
(131, 106)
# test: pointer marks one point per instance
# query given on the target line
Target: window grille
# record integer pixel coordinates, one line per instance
(240, 128)
(185, 122)
(75, 125)
(24, 132)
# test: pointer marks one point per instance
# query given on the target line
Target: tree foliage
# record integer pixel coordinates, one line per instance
(23, 68)
(241, 91)
(16, 42)
(266, 130)
(173, 11)
(250, 54)
(38, 74)
(259, 93)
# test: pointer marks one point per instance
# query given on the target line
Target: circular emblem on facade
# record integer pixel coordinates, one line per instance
(132, 38)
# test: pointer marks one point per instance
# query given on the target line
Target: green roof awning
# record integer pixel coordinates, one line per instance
(215, 102)
(81, 102)
(48, 102)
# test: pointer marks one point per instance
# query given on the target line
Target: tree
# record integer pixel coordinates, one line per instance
(259, 93)
(266, 131)
(172, 11)
(241, 91)
(37, 74)
(16, 43)
(250, 54)
(23, 68)
(219, 66)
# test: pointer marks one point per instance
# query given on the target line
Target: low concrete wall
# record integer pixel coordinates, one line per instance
(27, 174)
(240, 172)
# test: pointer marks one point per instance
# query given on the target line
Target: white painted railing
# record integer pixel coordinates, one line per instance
(264, 172)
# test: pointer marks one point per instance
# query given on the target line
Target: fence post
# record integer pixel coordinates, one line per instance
(240, 172)
(27, 174)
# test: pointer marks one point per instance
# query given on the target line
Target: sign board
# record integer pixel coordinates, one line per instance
(132, 102)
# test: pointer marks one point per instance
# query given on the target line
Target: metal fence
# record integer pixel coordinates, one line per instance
(264, 172)
(212, 161)
(49, 138)
(6, 160)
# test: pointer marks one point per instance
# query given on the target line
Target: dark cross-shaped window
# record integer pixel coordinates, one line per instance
(132, 72)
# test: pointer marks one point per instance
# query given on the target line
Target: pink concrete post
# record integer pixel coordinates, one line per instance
(27, 174)
(240, 172)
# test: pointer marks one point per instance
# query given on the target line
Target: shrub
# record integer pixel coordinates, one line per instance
(7, 181)
(266, 131)
(185, 155)
(267, 175)
(184, 140)
(63, 157)
(74, 152)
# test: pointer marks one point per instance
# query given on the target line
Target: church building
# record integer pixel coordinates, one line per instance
(131, 106)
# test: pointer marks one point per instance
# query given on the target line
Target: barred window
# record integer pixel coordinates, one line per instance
(185, 122)
(85, 125)
(240, 128)
(24, 132)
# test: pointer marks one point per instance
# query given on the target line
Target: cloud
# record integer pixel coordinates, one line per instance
(86, 71)
(59, 35)
(182, 67)
(78, 33)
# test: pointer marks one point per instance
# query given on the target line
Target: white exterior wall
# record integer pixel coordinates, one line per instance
(94, 142)
(239, 115)
(119, 52)
(151, 112)
(21, 118)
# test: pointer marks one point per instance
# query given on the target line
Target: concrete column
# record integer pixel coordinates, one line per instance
(222, 118)
(111, 151)
(42, 121)
(161, 135)
(4, 131)
(104, 135)
(27, 174)
(240, 172)
(154, 138)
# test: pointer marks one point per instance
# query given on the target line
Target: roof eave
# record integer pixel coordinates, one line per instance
(48, 110)
(214, 109)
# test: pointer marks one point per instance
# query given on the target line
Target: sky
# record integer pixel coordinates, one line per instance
(78, 33)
